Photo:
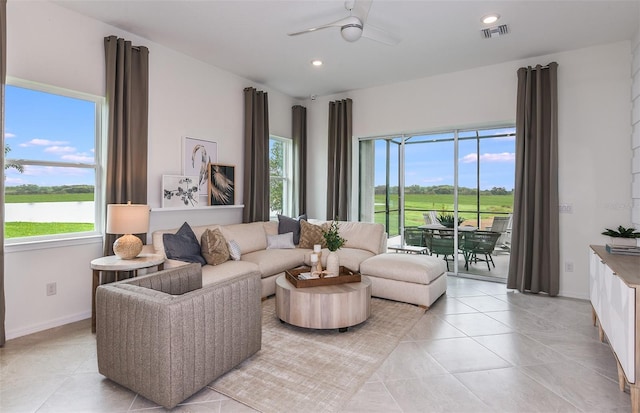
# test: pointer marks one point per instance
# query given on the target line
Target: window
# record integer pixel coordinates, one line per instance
(281, 172)
(52, 141)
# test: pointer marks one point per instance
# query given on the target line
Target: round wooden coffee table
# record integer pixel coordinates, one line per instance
(325, 307)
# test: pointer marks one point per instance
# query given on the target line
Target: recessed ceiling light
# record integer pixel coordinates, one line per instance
(316, 62)
(490, 18)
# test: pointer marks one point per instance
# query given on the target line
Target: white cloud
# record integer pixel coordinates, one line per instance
(8, 135)
(433, 180)
(490, 157)
(60, 149)
(42, 142)
(78, 157)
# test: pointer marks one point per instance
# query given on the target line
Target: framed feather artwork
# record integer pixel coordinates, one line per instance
(197, 154)
(221, 184)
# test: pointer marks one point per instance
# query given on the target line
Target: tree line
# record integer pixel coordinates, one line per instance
(30, 189)
(442, 190)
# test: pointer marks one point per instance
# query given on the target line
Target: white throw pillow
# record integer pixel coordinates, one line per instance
(234, 250)
(280, 241)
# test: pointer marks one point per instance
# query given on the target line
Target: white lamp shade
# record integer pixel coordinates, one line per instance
(127, 218)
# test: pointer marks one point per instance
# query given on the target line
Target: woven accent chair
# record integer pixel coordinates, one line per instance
(441, 243)
(166, 337)
(414, 236)
(479, 243)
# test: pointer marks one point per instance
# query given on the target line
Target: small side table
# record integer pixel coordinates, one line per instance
(115, 264)
(409, 249)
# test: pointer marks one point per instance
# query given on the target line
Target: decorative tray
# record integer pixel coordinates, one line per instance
(346, 276)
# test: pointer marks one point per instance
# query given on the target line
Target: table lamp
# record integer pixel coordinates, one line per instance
(127, 219)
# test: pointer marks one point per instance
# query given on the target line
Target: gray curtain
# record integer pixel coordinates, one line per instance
(535, 250)
(256, 156)
(3, 78)
(127, 95)
(299, 135)
(339, 165)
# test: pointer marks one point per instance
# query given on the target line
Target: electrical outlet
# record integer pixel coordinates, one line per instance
(568, 266)
(51, 289)
(566, 208)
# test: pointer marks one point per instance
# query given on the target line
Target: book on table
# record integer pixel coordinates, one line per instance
(622, 249)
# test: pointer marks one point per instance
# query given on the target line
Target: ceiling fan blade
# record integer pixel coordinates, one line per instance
(338, 23)
(379, 35)
(361, 9)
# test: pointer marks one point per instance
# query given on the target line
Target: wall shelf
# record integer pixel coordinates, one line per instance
(201, 208)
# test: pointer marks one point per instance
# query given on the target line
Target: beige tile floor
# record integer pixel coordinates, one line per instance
(481, 348)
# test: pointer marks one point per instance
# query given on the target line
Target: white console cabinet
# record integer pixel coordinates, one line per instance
(613, 281)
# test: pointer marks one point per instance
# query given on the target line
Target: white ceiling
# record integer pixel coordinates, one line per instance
(249, 38)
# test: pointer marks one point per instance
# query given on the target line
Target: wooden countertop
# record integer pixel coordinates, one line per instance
(626, 267)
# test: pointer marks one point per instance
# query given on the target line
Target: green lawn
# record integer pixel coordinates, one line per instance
(30, 229)
(30, 198)
(417, 204)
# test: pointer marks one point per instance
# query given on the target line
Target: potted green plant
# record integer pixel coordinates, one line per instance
(448, 220)
(334, 243)
(622, 236)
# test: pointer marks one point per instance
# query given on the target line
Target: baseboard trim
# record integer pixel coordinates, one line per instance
(19, 332)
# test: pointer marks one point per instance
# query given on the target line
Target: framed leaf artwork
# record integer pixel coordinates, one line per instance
(180, 191)
(221, 184)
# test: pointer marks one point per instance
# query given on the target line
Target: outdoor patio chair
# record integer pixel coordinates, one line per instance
(430, 217)
(479, 243)
(414, 236)
(502, 225)
(441, 243)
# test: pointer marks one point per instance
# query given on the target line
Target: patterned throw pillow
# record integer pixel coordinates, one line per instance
(183, 245)
(234, 250)
(310, 235)
(214, 247)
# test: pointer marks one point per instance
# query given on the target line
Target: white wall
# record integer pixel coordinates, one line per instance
(52, 45)
(635, 135)
(594, 108)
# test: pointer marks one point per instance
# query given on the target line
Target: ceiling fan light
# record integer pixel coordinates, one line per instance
(351, 32)
(490, 18)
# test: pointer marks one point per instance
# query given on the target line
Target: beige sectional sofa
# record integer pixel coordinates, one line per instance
(364, 241)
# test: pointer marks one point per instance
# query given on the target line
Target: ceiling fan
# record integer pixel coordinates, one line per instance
(354, 27)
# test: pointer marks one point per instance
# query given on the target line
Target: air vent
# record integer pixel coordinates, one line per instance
(495, 31)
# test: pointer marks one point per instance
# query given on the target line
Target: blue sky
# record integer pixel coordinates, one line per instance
(431, 163)
(47, 127)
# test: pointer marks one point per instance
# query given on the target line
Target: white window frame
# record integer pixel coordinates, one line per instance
(77, 238)
(287, 178)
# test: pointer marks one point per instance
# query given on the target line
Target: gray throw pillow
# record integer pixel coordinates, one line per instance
(287, 224)
(183, 245)
(214, 247)
(280, 241)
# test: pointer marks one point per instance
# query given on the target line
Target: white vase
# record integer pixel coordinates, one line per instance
(333, 264)
(623, 242)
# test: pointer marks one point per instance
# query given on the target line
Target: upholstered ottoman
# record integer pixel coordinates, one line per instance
(411, 278)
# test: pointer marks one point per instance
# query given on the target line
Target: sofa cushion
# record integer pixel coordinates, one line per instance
(250, 237)
(361, 235)
(214, 247)
(287, 224)
(271, 262)
(183, 245)
(311, 234)
(226, 271)
(413, 268)
(280, 241)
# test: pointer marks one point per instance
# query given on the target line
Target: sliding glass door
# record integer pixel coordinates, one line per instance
(409, 182)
